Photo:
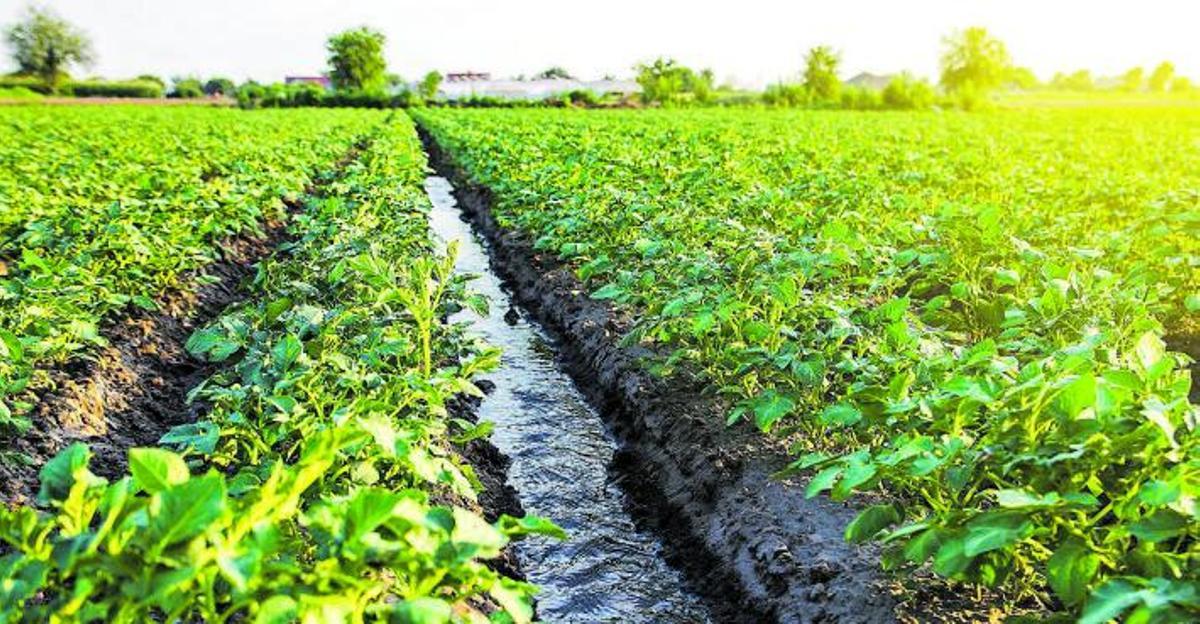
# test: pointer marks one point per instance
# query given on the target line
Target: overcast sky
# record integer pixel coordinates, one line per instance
(750, 41)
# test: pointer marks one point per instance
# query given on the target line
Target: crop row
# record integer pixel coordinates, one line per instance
(105, 208)
(323, 485)
(966, 313)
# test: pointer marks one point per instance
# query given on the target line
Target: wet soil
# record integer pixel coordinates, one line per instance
(132, 391)
(737, 533)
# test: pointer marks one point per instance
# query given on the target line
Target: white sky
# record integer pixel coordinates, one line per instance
(752, 41)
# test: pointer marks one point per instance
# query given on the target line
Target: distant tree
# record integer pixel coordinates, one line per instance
(665, 81)
(974, 60)
(1181, 84)
(1161, 76)
(661, 80)
(1021, 78)
(184, 87)
(906, 91)
(553, 73)
(429, 85)
(1077, 81)
(393, 81)
(820, 72)
(219, 86)
(356, 60)
(152, 78)
(1133, 79)
(45, 45)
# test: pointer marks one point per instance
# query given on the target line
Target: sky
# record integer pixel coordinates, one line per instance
(747, 42)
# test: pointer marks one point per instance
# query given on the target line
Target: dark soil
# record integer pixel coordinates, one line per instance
(131, 392)
(753, 541)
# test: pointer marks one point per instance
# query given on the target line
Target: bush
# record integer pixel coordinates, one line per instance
(907, 92)
(114, 89)
(782, 94)
(17, 81)
(187, 88)
(19, 93)
(861, 98)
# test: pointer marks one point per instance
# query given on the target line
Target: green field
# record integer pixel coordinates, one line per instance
(322, 483)
(980, 317)
(978, 329)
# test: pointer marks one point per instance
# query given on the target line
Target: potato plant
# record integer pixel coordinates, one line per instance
(970, 314)
(102, 208)
(323, 485)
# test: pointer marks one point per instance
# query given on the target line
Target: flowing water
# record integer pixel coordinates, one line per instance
(608, 570)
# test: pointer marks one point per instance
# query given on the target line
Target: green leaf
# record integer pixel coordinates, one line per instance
(870, 521)
(1109, 601)
(154, 470)
(822, 481)
(951, 559)
(769, 407)
(608, 291)
(422, 611)
(841, 414)
(1021, 499)
(58, 475)
(1071, 569)
(201, 437)
(276, 610)
(994, 530)
(10, 347)
(187, 509)
(1150, 349)
(1192, 302)
(1163, 525)
(285, 352)
(1159, 493)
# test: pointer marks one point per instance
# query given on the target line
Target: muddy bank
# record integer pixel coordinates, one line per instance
(132, 391)
(736, 531)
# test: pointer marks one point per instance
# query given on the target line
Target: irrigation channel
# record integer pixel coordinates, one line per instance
(608, 570)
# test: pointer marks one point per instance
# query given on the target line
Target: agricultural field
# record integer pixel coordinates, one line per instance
(983, 326)
(321, 482)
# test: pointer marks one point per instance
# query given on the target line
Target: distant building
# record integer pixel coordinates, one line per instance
(322, 81)
(870, 81)
(510, 89)
(467, 76)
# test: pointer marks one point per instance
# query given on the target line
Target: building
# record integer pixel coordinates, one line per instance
(528, 89)
(467, 76)
(322, 81)
(870, 81)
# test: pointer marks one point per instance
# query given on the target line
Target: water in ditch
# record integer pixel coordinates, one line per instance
(608, 570)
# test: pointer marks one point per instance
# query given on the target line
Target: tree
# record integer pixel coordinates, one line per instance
(974, 60)
(1078, 81)
(820, 72)
(553, 73)
(906, 91)
(152, 78)
(1161, 76)
(1181, 84)
(429, 85)
(187, 87)
(219, 86)
(1021, 78)
(45, 45)
(1132, 80)
(667, 82)
(356, 60)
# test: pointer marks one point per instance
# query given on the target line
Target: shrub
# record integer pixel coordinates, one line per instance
(905, 91)
(115, 89)
(19, 93)
(861, 98)
(187, 88)
(782, 94)
(18, 81)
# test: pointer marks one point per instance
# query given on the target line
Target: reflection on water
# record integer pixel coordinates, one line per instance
(607, 571)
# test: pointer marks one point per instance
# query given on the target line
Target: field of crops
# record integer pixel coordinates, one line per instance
(987, 319)
(322, 484)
